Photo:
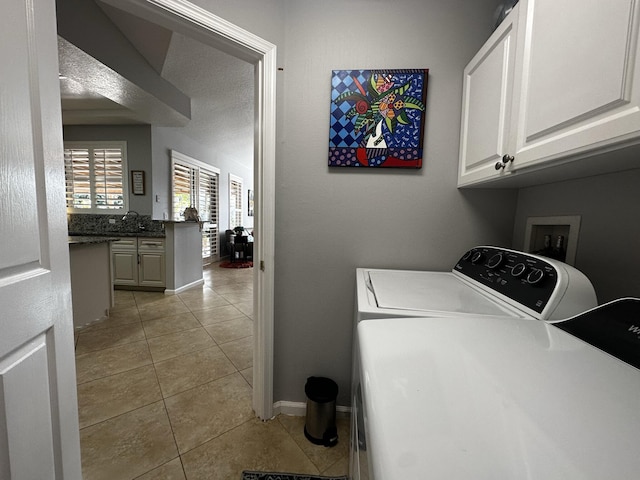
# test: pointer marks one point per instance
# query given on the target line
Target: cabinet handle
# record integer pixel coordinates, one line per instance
(505, 160)
(138, 259)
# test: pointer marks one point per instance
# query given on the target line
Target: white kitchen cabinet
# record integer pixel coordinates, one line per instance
(575, 94)
(139, 262)
(151, 255)
(124, 255)
(486, 105)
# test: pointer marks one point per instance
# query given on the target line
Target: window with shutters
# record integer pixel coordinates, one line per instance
(235, 201)
(195, 184)
(96, 177)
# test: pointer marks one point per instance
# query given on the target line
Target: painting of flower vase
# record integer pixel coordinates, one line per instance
(377, 118)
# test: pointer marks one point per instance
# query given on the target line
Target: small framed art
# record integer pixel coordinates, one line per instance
(137, 182)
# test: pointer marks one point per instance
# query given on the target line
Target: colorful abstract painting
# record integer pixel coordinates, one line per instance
(377, 118)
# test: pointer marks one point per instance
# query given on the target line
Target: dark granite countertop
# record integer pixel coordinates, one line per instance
(86, 240)
(94, 225)
(141, 233)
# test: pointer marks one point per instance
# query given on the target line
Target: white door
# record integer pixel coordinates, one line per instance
(39, 437)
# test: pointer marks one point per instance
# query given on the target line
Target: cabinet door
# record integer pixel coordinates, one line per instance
(152, 269)
(486, 105)
(125, 268)
(579, 86)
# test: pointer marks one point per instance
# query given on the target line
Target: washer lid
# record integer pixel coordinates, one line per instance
(430, 292)
(495, 398)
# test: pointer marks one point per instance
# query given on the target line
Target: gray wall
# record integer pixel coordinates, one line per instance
(328, 222)
(609, 232)
(138, 138)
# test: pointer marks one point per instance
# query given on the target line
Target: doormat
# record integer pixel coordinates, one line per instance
(245, 264)
(247, 475)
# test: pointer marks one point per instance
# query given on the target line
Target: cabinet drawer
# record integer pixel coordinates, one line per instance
(125, 244)
(153, 244)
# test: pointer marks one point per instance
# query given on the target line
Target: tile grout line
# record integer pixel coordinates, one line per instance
(297, 444)
(166, 411)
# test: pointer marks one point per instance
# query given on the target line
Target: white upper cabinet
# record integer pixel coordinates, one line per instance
(576, 94)
(486, 105)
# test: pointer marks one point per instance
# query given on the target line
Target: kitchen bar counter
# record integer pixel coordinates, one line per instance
(91, 288)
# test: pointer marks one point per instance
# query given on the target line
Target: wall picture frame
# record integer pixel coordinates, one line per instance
(137, 182)
(377, 118)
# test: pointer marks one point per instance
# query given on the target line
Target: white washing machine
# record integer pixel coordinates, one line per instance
(490, 398)
(486, 282)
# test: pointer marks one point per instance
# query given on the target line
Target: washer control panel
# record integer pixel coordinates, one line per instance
(527, 279)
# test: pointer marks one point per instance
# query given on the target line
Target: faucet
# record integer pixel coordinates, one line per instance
(129, 213)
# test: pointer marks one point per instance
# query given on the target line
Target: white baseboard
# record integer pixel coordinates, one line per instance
(299, 409)
(184, 287)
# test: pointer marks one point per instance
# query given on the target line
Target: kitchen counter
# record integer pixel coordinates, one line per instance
(114, 235)
(86, 240)
(85, 224)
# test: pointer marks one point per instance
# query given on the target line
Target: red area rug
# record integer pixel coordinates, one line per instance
(244, 264)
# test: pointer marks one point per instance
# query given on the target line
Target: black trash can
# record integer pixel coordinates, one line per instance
(320, 424)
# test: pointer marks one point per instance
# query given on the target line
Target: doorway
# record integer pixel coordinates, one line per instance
(185, 18)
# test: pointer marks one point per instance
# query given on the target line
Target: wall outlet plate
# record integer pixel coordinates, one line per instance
(112, 220)
(566, 225)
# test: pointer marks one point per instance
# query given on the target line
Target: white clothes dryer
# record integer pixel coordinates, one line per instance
(490, 398)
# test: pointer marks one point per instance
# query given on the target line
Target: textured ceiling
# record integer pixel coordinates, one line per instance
(221, 90)
(221, 87)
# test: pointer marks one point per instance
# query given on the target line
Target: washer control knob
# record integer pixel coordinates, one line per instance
(467, 255)
(535, 276)
(476, 257)
(495, 261)
(518, 270)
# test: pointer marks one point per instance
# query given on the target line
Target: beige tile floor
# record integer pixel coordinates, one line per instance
(164, 391)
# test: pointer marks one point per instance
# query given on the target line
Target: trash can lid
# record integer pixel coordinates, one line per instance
(321, 389)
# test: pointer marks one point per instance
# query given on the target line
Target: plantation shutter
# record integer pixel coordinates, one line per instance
(107, 178)
(195, 184)
(235, 201)
(95, 176)
(77, 170)
(208, 208)
(184, 189)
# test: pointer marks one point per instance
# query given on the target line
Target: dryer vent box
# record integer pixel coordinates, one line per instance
(567, 227)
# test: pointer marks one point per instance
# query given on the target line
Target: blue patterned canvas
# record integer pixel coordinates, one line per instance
(377, 118)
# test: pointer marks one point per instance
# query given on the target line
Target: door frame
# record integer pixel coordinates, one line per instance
(188, 19)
